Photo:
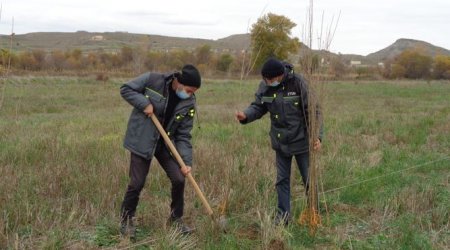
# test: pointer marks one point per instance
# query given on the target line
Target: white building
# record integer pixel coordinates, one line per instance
(97, 38)
(355, 63)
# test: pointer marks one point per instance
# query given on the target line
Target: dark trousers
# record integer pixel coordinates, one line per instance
(139, 168)
(283, 184)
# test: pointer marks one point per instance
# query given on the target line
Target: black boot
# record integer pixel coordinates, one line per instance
(128, 227)
(179, 224)
(282, 219)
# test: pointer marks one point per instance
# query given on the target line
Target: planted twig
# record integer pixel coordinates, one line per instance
(310, 216)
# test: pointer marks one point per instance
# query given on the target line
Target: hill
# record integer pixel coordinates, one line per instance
(403, 44)
(110, 41)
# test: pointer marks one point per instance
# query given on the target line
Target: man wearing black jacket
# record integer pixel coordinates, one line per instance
(285, 96)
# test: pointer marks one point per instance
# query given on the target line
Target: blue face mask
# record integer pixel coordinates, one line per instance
(274, 84)
(182, 94)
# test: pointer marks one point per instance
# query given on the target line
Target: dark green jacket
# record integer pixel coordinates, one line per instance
(142, 135)
(288, 107)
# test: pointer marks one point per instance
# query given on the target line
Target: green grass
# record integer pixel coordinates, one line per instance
(384, 168)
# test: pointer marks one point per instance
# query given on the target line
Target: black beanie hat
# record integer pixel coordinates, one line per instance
(272, 68)
(189, 76)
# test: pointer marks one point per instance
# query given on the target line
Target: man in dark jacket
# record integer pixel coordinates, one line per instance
(285, 96)
(171, 98)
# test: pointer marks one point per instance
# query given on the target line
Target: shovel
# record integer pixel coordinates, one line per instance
(181, 163)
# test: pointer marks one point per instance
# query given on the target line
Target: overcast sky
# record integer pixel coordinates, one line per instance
(365, 26)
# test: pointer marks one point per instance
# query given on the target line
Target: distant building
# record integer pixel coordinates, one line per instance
(355, 63)
(97, 38)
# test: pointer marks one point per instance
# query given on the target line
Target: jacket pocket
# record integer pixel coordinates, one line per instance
(175, 123)
(277, 137)
(291, 104)
(178, 118)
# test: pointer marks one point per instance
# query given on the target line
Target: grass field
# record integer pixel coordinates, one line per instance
(385, 169)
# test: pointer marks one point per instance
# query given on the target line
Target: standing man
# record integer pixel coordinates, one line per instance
(170, 97)
(285, 96)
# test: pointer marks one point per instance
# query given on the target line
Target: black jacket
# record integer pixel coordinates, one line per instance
(288, 107)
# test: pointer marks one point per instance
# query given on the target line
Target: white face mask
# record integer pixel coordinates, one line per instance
(274, 84)
(182, 94)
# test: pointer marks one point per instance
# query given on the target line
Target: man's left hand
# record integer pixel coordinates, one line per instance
(317, 145)
(186, 170)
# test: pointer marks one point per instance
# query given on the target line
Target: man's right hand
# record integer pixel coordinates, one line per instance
(148, 111)
(240, 116)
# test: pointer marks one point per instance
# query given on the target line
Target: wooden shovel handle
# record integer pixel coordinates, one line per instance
(181, 163)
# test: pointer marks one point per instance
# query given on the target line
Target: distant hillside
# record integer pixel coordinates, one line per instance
(235, 42)
(88, 41)
(403, 44)
(113, 41)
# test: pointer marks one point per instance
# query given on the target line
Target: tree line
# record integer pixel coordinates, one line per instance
(414, 64)
(126, 60)
(410, 64)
